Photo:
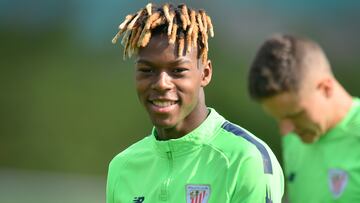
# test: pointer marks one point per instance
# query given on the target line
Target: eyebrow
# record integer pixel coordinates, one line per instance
(172, 63)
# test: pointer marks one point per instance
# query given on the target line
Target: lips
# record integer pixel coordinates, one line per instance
(163, 105)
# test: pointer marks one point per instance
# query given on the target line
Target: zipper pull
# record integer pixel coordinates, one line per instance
(169, 154)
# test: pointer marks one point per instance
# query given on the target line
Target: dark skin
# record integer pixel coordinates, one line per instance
(171, 88)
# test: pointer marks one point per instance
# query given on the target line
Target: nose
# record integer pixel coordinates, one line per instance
(286, 126)
(163, 82)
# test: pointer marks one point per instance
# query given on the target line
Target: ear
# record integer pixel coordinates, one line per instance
(206, 74)
(326, 86)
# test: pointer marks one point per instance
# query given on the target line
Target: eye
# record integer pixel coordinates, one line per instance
(145, 69)
(179, 70)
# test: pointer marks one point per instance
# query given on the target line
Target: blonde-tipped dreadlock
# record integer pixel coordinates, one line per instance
(185, 27)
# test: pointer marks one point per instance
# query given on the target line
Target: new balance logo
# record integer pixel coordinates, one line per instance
(139, 199)
(291, 177)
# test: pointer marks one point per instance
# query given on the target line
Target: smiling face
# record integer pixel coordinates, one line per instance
(171, 87)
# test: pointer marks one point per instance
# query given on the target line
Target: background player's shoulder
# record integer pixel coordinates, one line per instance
(354, 124)
(291, 139)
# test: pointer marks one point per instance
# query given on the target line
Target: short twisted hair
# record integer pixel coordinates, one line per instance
(185, 27)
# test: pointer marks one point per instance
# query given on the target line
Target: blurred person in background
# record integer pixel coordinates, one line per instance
(192, 154)
(292, 79)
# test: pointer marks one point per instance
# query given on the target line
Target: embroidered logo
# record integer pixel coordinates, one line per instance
(197, 193)
(139, 199)
(338, 180)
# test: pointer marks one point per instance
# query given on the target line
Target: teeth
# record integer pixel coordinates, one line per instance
(163, 103)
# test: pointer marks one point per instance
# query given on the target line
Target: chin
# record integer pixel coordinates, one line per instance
(309, 139)
(159, 123)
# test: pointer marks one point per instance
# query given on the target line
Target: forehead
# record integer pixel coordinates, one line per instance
(159, 50)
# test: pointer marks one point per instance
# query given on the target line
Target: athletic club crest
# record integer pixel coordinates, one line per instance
(197, 193)
(338, 180)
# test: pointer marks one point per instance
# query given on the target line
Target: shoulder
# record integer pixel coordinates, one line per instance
(291, 140)
(257, 168)
(239, 144)
(118, 167)
(354, 125)
(350, 124)
(292, 146)
(133, 151)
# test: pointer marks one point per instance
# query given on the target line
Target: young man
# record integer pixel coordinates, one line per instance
(193, 154)
(292, 79)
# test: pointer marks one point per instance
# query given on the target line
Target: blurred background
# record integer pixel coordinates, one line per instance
(67, 100)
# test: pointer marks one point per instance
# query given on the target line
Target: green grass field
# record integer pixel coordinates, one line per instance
(17, 186)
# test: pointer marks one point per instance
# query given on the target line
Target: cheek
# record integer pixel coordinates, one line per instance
(316, 111)
(140, 87)
(311, 120)
(316, 108)
(192, 91)
(189, 85)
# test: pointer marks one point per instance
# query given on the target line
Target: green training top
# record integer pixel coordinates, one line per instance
(218, 162)
(328, 170)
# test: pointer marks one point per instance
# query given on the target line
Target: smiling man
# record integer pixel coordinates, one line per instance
(292, 79)
(193, 154)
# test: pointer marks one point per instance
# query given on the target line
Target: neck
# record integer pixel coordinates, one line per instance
(342, 104)
(187, 124)
(183, 128)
